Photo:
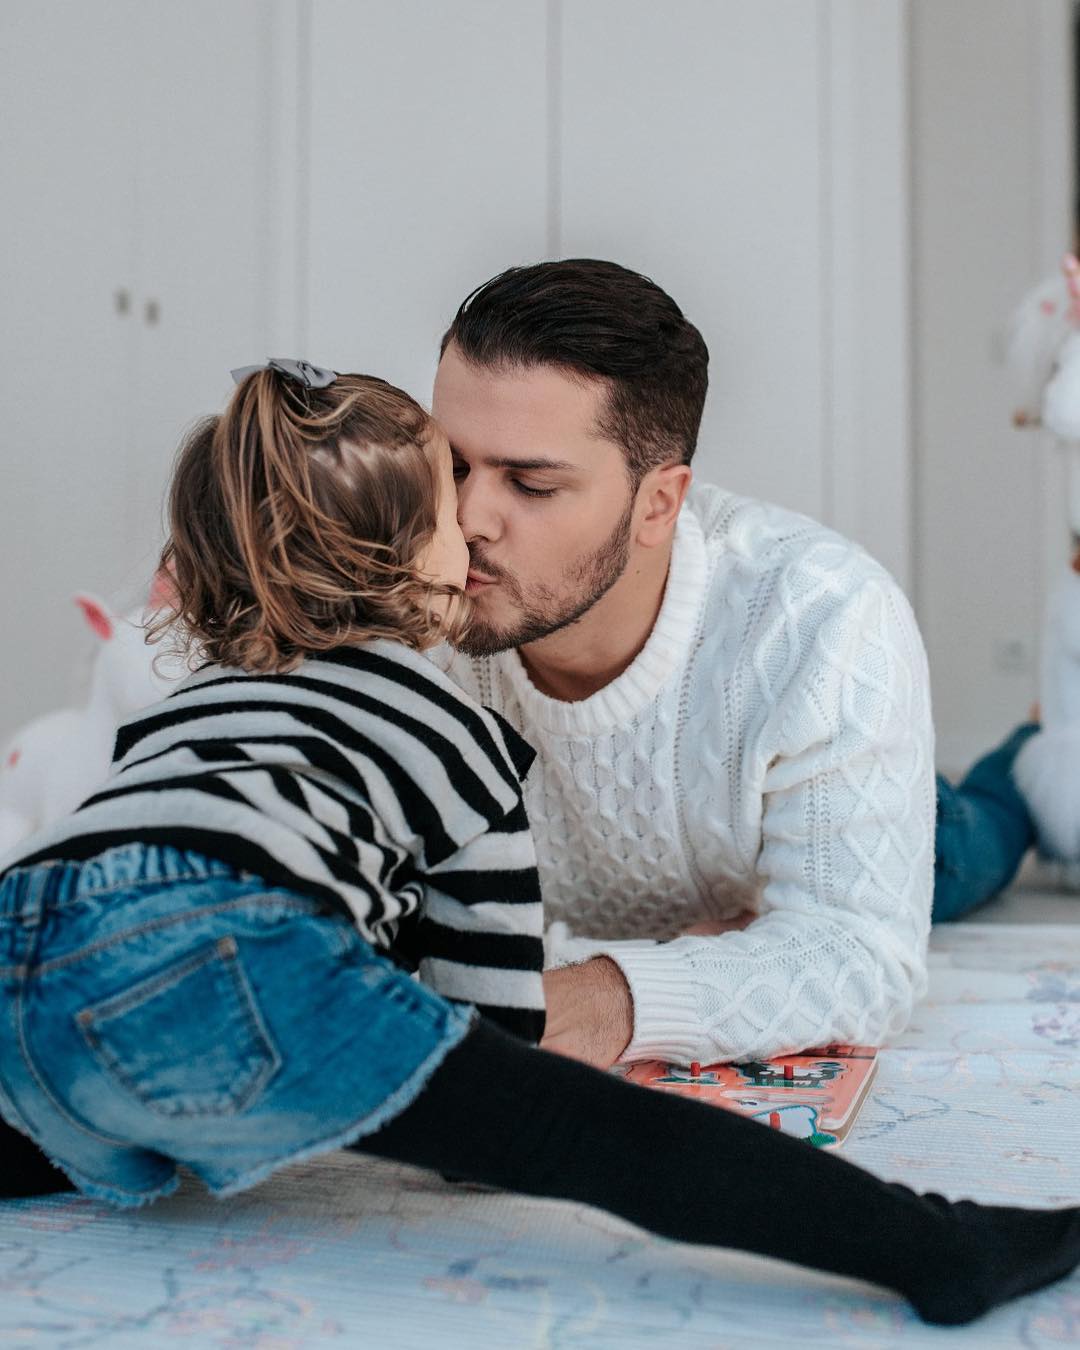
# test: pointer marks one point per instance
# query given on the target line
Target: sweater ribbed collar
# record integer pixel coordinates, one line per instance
(665, 649)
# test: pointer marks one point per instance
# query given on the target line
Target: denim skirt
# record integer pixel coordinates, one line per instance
(160, 1009)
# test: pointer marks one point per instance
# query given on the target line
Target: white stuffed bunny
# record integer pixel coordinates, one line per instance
(1044, 356)
(56, 761)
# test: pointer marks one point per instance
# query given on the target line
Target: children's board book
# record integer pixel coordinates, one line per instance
(815, 1095)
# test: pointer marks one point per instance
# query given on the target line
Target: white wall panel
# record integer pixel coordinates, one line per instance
(866, 269)
(692, 151)
(66, 243)
(991, 124)
(427, 172)
(203, 239)
(135, 159)
(330, 179)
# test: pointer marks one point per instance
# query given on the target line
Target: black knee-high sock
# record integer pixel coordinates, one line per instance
(501, 1112)
(24, 1169)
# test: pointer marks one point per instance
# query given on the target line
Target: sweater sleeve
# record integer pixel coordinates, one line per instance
(478, 933)
(845, 768)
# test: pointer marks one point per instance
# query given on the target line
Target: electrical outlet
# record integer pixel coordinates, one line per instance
(1012, 656)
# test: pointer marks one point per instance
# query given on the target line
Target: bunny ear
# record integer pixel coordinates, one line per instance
(95, 614)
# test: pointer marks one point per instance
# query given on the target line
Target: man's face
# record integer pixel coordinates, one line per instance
(544, 502)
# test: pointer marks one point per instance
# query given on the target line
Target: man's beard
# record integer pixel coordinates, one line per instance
(590, 578)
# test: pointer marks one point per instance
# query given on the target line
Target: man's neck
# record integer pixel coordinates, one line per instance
(581, 659)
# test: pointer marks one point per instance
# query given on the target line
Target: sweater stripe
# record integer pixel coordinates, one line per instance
(487, 984)
(450, 700)
(467, 948)
(477, 888)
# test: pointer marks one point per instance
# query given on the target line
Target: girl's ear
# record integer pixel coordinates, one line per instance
(162, 590)
(95, 614)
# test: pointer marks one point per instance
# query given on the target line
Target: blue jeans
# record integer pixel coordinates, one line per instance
(983, 831)
(159, 1008)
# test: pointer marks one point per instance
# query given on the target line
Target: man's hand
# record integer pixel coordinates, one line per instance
(590, 1012)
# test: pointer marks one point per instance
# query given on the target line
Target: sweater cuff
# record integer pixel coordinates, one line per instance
(667, 1023)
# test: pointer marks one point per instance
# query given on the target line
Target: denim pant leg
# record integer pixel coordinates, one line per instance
(984, 829)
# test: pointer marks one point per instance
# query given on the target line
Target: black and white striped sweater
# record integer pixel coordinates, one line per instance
(364, 777)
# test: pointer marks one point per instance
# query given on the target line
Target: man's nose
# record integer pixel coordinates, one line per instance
(476, 510)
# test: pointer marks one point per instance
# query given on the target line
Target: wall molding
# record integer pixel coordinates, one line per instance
(865, 276)
(288, 34)
(1052, 194)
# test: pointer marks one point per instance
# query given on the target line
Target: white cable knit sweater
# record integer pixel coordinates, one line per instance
(769, 748)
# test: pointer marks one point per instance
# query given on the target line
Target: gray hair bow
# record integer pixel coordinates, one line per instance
(303, 372)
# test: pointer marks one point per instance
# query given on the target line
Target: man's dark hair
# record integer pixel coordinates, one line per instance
(605, 322)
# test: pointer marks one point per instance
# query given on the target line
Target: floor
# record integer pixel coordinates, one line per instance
(979, 1097)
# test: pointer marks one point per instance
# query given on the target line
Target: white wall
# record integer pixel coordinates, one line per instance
(426, 172)
(65, 255)
(991, 198)
(751, 158)
(747, 157)
(729, 224)
(330, 177)
(135, 163)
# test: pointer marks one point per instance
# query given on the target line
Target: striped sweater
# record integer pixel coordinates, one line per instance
(364, 777)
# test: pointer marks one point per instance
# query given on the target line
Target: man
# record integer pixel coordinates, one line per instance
(730, 702)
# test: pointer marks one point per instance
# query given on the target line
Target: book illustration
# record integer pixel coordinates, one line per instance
(814, 1095)
(763, 1074)
(800, 1119)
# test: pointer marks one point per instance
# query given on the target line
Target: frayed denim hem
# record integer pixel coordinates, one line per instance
(392, 1106)
(119, 1199)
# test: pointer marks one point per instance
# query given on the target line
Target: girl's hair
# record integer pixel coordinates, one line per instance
(296, 518)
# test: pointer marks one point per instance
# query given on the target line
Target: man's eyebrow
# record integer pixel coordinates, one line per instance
(531, 465)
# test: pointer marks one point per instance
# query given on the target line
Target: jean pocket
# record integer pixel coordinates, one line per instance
(189, 1040)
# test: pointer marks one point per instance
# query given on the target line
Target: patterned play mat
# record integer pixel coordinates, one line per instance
(980, 1097)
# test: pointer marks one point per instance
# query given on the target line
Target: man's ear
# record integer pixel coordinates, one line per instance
(661, 496)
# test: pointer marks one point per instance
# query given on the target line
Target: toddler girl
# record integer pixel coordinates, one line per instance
(208, 963)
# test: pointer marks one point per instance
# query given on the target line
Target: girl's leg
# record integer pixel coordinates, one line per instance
(500, 1112)
(26, 1170)
(984, 829)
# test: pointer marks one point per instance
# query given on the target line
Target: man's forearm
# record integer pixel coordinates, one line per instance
(781, 985)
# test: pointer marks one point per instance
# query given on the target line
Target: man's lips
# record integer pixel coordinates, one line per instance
(476, 581)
